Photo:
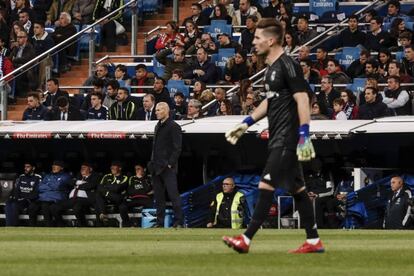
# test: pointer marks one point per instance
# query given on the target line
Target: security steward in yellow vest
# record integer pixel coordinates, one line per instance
(227, 207)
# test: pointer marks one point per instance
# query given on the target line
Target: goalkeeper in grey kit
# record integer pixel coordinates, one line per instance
(287, 107)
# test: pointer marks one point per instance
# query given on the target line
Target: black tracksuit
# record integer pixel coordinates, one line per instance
(397, 214)
(110, 190)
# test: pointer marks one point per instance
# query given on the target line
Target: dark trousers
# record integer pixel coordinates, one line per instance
(12, 210)
(109, 36)
(102, 201)
(79, 206)
(320, 207)
(167, 181)
(45, 208)
(334, 205)
(136, 202)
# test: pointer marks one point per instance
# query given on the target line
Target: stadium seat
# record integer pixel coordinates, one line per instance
(175, 86)
(358, 85)
(319, 7)
(84, 40)
(158, 68)
(348, 55)
(218, 27)
(399, 56)
(223, 57)
(409, 25)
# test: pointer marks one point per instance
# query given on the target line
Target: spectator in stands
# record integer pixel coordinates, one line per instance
(202, 69)
(4, 51)
(226, 210)
(142, 78)
(321, 61)
(394, 69)
(245, 9)
(371, 82)
(225, 108)
(352, 36)
(193, 110)
(25, 192)
(121, 75)
(397, 28)
(257, 63)
(177, 74)
(15, 29)
(368, 15)
(111, 92)
(108, 32)
(357, 67)
(316, 112)
(310, 75)
(220, 13)
(320, 188)
(372, 108)
(291, 42)
(404, 41)
(191, 35)
(53, 93)
(138, 194)
(229, 6)
(81, 197)
(65, 110)
(338, 113)
(377, 38)
(199, 87)
(147, 111)
(124, 108)
(40, 8)
(408, 60)
(335, 73)
(247, 35)
(371, 70)
(205, 42)
(97, 110)
(82, 11)
(35, 110)
(20, 55)
(285, 15)
(180, 105)
(396, 98)
(63, 31)
(272, 10)
(252, 101)
(19, 5)
(110, 190)
(42, 42)
(238, 99)
(398, 210)
(101, 72)
(326, 96)
(225, 42)
(170, 38)
(303, 53)
(161, 93)
(56, 9)
(206, 97)
(350, 107)
(384, 58)
(394, 12)
(305, 34)
(197, 16)
(53, 189)
(236, 67)
(24, 19)
(178, 61)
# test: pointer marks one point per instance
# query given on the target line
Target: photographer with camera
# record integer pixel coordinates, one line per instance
(206, 42)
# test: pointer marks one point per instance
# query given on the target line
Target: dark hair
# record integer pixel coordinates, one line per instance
(394, 30)
(332, 60)
(179, 72)
(124, 89)
(272, 27)
(179, 94)
(98, 83)
(351, 96)
(385, 51)
(374, 90)
(398, 65)
(99, 95)
(365, 53)
(113, 83)
(62, 101)
(35, 95)
(395, 3)
(223, 11)
(308, 62)
(395, 78)
(253, 18)
(338, 101)
(378, 19)
(173, 25)
(54, 80)
(161, 79)
(140, 66)
(406, 35)
(124, 69)
(353, 16)
(197, 5)
(373, 63)
(189, 20)
(39, 22)
(203, 86)
(303, 17)
(244, 86)
(295, 41)
(372, 12)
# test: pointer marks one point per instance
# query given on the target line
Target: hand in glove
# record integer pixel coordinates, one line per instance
(234, 134)
(305, 150)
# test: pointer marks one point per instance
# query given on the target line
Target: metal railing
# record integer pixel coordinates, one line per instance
(27, 66)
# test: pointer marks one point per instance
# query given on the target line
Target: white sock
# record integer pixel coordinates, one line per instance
(313, 241)
(246, 239)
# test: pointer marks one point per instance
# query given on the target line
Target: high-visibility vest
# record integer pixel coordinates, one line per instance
(236, 218)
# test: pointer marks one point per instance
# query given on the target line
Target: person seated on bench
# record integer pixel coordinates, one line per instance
(53, 189)
(81, 197)
(227, 208)
(26, 191)
(139, 194)
(110, 191)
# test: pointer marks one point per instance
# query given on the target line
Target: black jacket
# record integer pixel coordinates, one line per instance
(126, 111)
(87, 184)
(141, 114)
(35, 113)
(369, 111)
(163, 96)
(112, 184)
(397, 214)
(139, 187)
(27, 187)
(326, 102)
(170, 64)
(376, 42)
(166, 147)
(202, 20)
(73, 114)
(51, 100)
(351, 39)
(210, 69)
(100, 11)
(27, 55)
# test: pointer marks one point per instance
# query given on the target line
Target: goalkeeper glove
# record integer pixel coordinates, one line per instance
(305, 150)
(233, 135)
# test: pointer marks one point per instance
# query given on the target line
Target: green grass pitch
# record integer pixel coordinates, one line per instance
(111, 251)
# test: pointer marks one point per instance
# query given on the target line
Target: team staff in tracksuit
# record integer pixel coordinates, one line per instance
(226, 210)
(25, 192)
(398, 212)
(111, 190)
(139, 193)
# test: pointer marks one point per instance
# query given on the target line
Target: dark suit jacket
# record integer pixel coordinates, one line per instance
(166, 148)
(51, 100)
(141, 114)
(73, 114)
(202, 20)
(27, 55)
